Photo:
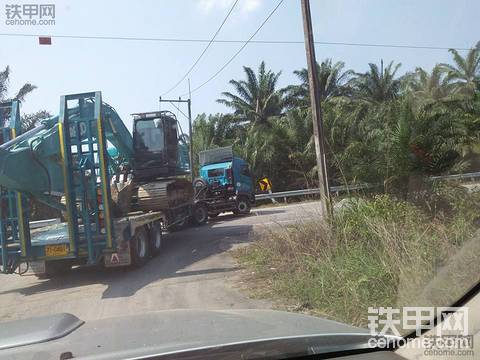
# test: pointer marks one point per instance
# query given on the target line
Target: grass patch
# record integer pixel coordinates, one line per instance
(376, 252)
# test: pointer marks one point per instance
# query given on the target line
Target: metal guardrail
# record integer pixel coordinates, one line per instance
(456, 177)
(351, 187)
(337, 189)
(286, 194)
(333, 189)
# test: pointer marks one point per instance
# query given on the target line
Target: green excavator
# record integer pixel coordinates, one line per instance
(31, 164)
(86, 163)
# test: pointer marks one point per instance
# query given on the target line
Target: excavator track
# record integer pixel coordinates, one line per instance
(161, 195)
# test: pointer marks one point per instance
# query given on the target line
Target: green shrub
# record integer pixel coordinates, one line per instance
(375, 252)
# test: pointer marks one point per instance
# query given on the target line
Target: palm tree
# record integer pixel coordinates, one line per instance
(332, 79)
(430, 87)
(213, 131)
(427, 142)
(465, 73)
(257, 98)
(29, 121)
(4, 86)
(266, 150)
(378, 84)
(300, 147)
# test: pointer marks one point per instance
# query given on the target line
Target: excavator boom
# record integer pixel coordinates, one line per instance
(31, 163)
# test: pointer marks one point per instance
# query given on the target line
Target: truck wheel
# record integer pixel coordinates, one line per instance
(139, 247)
(243, 206)
(156, 238)
(200, 214)
(199, 184)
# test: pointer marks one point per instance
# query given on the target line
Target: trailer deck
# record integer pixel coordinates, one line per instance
(52, 242)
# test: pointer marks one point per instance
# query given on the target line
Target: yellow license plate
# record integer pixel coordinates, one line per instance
(56, 250)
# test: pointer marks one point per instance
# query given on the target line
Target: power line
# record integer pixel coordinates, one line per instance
(204, 50)
(178, 109)
(236, 41)
(400, 46)
(238, 52)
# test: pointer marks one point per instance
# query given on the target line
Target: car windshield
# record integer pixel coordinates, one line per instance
(320, 158)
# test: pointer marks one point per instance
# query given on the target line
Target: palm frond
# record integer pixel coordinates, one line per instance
(24, 90)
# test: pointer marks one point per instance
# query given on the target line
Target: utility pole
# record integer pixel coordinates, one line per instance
(190, 135)
(317, 119)
(189, 117)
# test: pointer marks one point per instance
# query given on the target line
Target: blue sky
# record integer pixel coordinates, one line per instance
(132, 74)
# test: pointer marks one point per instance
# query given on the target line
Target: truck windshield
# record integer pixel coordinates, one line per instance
(216, 172)
(148, 136)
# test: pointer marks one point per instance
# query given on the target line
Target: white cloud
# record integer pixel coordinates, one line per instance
(250, 5)
(208, 5)
(245, 6)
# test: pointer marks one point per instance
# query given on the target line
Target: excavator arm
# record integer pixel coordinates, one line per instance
(31, 163)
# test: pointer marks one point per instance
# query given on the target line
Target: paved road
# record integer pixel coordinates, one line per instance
(194, 270)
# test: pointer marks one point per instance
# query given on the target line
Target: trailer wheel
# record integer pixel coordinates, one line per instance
(139, 247)
(200, 214)
(243, 206)
(156, 238)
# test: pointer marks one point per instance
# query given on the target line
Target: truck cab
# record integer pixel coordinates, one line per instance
(225, 182)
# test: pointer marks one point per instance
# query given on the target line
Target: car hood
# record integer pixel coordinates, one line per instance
(164, 332)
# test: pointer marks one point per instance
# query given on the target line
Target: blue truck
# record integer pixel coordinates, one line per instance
(225, 182)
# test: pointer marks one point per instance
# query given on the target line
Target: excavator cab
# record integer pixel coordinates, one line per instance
(155, 143)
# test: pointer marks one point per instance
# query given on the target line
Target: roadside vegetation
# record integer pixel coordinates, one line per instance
(385, 127)
(377, 251)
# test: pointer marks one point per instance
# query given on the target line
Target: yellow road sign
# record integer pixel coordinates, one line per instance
(265, 184)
